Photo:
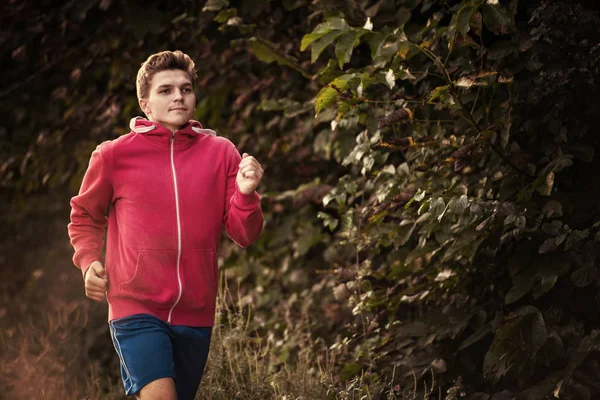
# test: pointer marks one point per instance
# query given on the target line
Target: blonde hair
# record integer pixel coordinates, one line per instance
(162, 61)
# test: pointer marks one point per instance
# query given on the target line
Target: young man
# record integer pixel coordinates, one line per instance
(169, 186)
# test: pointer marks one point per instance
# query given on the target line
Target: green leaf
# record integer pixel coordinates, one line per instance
(475, 337)
(325, 98)
(350, 371)
(374, 39)
(308, 39)
(265, 51)
(323, 29)
(545, 285)
(548, 245)
(583, 276)
(521, 286)
(215, 5)
(328, 94)
(460, 205)
(516, 342)
(339, 24)
(347, 43)
(225, 15)
(320, 44)
(420, 195)
(441, 92)
(463, 18)
(497, 19)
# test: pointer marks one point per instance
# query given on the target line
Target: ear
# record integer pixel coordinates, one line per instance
(144, 106)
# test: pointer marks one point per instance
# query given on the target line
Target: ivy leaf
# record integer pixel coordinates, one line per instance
(583, 276)
(510, 219)
(521, 286)
(545, 285)
(516, 342)
(548, 245)
(475, 337)
(552, 209)
(460, 205)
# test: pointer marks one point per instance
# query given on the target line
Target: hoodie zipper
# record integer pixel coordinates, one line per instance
(178, 225)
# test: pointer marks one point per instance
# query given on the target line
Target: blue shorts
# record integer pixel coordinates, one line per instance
(151, 349)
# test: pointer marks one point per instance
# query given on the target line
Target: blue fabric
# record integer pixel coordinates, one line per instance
(149, 349)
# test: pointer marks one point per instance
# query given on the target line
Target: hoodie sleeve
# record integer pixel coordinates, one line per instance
(88, 213)
(243, 218)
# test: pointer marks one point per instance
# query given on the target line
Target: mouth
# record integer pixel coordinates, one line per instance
(179, 109)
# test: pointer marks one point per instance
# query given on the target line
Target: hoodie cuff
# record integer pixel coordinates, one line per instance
(86, 260)
(245, 201)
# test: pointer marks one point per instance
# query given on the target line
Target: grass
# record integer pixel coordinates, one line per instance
(240, 367)
(61, 349)
(60, 353)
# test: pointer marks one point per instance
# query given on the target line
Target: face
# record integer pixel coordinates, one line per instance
(171, 99)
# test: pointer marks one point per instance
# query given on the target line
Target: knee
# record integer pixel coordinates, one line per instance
(160, 389)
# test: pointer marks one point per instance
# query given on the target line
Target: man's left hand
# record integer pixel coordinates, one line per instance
(249, 174)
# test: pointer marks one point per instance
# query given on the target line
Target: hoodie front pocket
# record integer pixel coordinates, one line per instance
(155, 277)
(198, 278)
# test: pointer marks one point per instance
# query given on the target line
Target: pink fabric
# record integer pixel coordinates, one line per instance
(132, 177)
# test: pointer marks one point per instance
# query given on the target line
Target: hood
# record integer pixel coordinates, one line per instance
(142, 125)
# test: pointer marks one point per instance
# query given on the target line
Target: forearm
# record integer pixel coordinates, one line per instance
(88, 213)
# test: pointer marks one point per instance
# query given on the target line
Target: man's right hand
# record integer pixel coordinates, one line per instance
(96, 281)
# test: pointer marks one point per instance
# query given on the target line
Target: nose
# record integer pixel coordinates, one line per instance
(178, 94)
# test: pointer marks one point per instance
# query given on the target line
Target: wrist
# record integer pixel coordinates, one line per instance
(86, 269)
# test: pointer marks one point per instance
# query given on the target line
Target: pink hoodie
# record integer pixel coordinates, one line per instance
(168, 193)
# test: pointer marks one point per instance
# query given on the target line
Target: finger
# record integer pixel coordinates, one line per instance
(252, 173)
(248, 161)
(96, 280)
(95, 296)
(259, 171)
(245, 155)
(247, 168)
(99, 270)
(96, 283)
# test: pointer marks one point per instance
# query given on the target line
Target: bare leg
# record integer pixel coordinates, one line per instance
(160, 389)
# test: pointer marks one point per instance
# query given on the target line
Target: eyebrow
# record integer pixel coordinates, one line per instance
(170, 86)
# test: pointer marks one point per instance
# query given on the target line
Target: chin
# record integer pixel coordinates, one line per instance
(179, 122)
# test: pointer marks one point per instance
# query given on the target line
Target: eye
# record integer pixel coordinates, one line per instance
(187, 90)
(164, 91)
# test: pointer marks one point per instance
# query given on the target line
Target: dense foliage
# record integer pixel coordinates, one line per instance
(429, 192)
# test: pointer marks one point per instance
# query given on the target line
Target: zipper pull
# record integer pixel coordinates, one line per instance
(173, 135)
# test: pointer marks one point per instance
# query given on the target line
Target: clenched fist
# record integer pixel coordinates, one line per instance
(96, 281)
(249, 174)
